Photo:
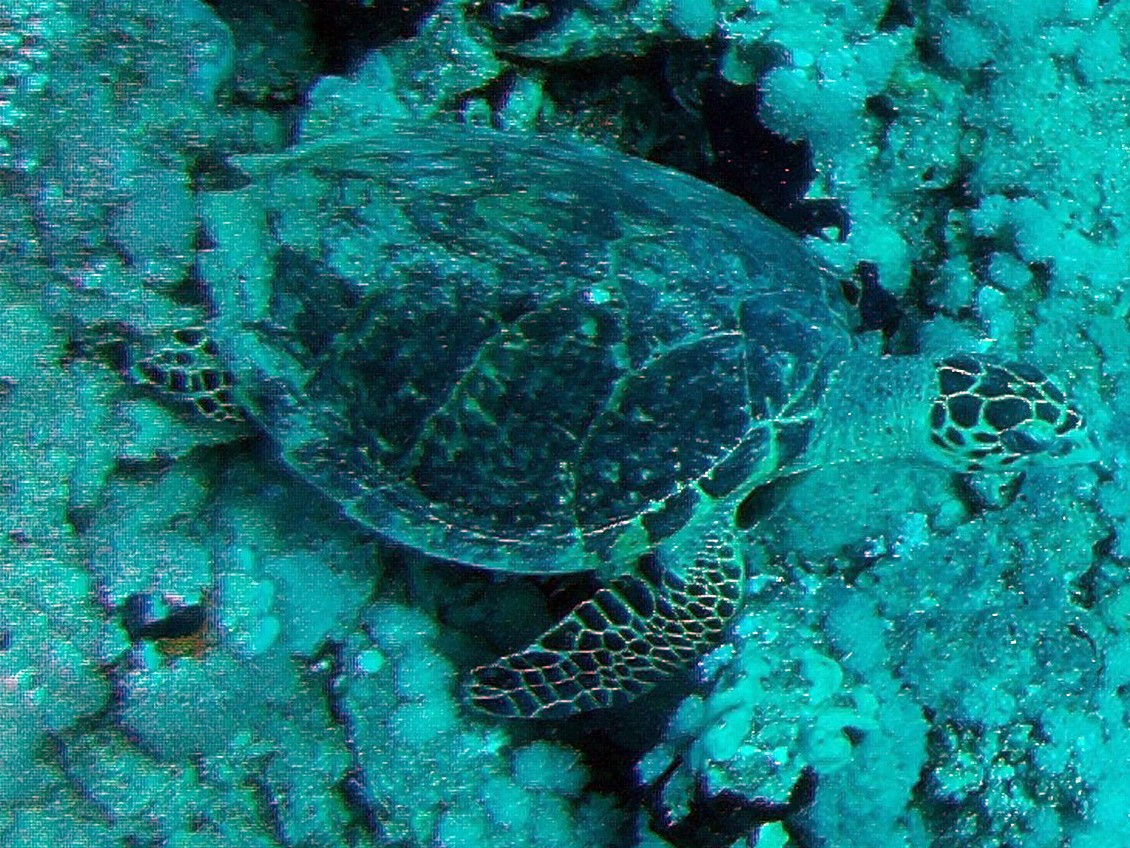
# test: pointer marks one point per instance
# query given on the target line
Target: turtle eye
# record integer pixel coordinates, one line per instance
(1061, 449)
(1020, 441)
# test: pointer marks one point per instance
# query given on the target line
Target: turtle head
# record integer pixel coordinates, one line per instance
(1002, 416)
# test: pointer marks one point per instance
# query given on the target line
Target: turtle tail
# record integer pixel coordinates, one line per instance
(619, 643)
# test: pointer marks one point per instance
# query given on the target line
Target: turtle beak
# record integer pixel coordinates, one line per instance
(1080, 448)
(1096, 461)
(1075, 447)
(1102, 471)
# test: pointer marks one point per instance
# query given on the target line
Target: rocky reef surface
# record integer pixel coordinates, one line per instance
(197, 649)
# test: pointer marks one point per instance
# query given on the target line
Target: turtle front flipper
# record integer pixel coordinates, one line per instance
(619, 643)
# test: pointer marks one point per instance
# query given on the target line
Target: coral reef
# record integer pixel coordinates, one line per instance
(196, 649)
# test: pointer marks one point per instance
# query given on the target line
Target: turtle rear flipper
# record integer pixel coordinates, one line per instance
(619, 643)
(184, 366)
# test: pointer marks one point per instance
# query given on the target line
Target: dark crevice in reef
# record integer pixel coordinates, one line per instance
(612, 742)
(343, 31)
(349, 29)
(897, 14)
(771, 173)
(672, 106)
(643, 105)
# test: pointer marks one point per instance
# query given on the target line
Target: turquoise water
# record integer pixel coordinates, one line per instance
(198, 647)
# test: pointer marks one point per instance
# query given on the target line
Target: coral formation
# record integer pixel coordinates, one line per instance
(195, 649)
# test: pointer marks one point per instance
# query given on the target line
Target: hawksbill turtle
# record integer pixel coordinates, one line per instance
(530, 355)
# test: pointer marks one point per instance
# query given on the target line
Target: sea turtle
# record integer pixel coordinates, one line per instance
(539, 356)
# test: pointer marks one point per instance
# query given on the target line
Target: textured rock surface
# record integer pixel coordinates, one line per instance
(953, 663)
